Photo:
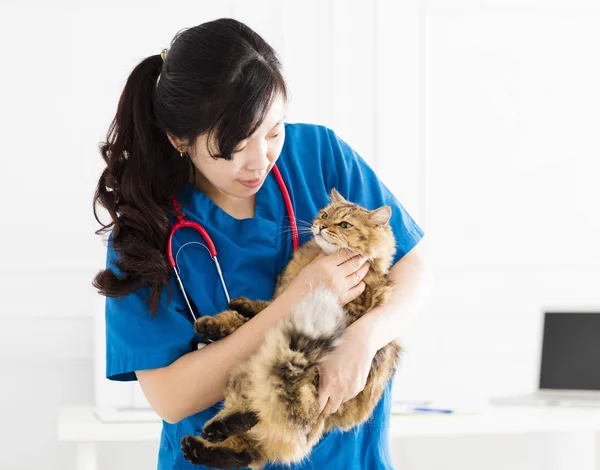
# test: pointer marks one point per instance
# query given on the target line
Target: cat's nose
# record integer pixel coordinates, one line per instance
(322, 226)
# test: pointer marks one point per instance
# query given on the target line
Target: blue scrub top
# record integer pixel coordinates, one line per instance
(252, 252)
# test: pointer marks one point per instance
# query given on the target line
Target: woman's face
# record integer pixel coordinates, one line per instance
(252, 160)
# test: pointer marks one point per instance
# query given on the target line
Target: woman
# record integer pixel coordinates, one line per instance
(204, 122)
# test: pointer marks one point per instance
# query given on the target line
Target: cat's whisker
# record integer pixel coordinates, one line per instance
(297, 219)
(298, 225)
(305, 222)
(288, 233)
(300, 229)
(304, 225)
(288, 237)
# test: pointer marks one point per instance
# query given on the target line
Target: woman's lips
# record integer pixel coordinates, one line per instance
(251, 183)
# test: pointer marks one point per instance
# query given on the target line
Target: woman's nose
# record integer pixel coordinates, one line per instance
(260, 159)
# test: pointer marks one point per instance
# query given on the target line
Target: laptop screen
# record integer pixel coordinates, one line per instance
(571, 351)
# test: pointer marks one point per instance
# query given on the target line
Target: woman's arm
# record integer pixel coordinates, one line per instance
(197, 380)
(414, 282)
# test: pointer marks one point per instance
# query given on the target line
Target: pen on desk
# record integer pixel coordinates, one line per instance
(420, 409)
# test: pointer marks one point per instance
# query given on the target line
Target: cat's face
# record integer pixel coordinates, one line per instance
(343, 224)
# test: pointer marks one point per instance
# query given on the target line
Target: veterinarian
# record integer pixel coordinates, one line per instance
(204, 122)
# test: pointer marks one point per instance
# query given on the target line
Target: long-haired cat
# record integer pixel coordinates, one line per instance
(271, 411)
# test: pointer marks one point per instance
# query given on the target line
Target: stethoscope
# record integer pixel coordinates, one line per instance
(210, 246)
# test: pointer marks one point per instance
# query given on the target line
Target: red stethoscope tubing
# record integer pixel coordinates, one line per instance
(288, 206)
(181, 223)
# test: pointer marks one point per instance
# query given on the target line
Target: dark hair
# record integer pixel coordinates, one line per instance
(218, 78)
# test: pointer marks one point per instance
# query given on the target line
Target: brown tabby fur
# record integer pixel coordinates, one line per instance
(271, 401)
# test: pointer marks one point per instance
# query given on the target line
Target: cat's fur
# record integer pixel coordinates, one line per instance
(271, 411)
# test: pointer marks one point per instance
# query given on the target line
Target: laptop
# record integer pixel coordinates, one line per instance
(570, 362)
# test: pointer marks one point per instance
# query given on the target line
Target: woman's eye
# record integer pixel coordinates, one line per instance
(345, 225)
(240, 146)
(324, 215)
(274, 136)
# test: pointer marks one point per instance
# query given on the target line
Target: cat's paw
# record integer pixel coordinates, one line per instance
(219, 326)
(199, 452)
(193, 449)
(243, 306)
(222, 427)
(215, 432)
(208, 328)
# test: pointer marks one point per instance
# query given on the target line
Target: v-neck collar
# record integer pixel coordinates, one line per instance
(264, 227)
(264, 208)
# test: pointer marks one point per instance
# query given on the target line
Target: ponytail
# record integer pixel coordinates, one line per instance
(142, 170)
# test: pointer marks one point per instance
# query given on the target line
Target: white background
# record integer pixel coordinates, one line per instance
(482, 116)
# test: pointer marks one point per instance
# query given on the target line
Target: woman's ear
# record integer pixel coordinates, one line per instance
(179, 144)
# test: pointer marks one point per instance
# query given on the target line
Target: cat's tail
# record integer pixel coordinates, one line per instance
(285, 376)
(315, 324)
(300, 342)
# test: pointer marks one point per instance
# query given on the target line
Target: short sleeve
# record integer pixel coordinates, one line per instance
(137, 340)
(356, 181)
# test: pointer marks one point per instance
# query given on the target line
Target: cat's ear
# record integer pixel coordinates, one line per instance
(381, 216)
(337, 197)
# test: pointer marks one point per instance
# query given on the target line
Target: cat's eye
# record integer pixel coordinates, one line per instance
(345, 225)
(324, 215)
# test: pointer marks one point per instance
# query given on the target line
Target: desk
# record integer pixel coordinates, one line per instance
(499, 420)
(78, 424)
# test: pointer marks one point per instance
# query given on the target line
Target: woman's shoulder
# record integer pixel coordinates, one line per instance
(307, 147)
(308, 137)
(306, 129)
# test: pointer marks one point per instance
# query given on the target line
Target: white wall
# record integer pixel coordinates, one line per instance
(480, 115)
(510, 203)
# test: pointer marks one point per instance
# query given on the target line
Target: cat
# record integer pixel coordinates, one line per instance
(271, 411)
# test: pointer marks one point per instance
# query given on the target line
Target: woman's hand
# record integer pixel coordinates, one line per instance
(342, 272)
(344, 373)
